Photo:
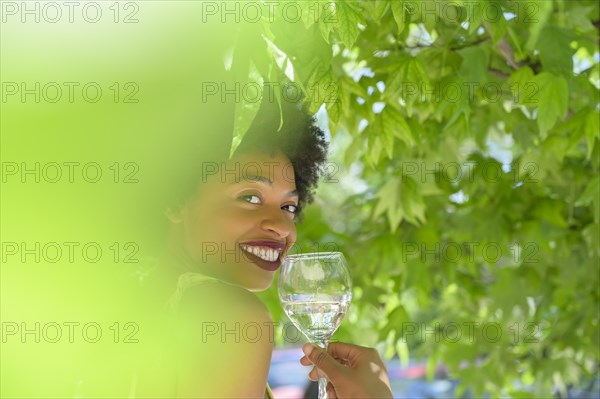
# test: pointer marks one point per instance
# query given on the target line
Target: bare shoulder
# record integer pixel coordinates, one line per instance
(222, 301)
(225, 340)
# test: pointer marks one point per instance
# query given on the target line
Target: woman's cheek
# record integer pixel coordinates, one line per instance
(237, 225)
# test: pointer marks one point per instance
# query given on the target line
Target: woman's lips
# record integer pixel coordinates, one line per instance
(263, 264)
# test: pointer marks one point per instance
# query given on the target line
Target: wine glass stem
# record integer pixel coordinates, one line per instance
(323, 379)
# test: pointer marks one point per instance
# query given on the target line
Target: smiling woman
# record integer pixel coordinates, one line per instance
(251, 219)
(236, 223)
(227, 235)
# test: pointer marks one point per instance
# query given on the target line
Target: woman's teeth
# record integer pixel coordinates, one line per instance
(265, 253)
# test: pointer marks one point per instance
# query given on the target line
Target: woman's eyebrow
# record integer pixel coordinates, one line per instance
(255, 179)
(263, 180)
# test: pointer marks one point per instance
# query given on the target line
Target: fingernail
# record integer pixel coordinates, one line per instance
(307, 348)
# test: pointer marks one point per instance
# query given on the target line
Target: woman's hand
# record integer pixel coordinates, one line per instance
(353, 371)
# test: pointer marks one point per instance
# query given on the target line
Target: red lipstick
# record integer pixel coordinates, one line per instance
(264, 264)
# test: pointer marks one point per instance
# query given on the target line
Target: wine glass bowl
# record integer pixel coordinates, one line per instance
(315, 290)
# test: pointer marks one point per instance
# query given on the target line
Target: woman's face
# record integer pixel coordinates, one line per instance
(241, 222)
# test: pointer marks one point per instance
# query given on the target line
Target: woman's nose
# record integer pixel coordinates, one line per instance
(276, 221)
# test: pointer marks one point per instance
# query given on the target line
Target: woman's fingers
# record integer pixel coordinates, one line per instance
(331, 391)
(320, 358)
(355, 371)
(345, 352)
(305, 361)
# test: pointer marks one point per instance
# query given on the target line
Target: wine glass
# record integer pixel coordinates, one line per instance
(315, 290)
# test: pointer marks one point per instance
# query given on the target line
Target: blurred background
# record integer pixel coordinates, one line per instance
(462, 184)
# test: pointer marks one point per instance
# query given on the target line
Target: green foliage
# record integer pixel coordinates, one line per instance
(468, 202)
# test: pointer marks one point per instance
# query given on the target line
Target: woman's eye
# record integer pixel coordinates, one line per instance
(291, 208)
(251, 198)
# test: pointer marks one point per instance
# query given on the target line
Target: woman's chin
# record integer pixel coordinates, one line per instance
(258, 281)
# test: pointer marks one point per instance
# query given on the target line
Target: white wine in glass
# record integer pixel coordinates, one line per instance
(315, 290)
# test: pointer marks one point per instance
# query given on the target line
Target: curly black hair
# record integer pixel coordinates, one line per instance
(299, 139)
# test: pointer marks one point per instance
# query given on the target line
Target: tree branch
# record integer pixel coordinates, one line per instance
(498, 73)
(451, 48)
(504, 48)
(507, 52)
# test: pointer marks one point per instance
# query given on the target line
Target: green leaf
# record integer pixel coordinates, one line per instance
(551, 212)
(439, 62)
(516, 43)
(543, 10)
(591, 234)
(403, 352)
(310, 12)
(579, 18)
(522, 86)
(389, 202)
(409, 81)
(412, 201)
(392, 122)
(353, 151)
(399, 16)
(474, 67)
(475, 17)
(333, 114)
(555, 147)
(374, 139)
(347, 23)
(591, 196)
(498, 28)
(377, 9)
(396, 319)
(553, 101)
(321, 87)
(592, 192)
(555, 49)
(328, 19)
(245, 110)
(592, 130)
(388, 141)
